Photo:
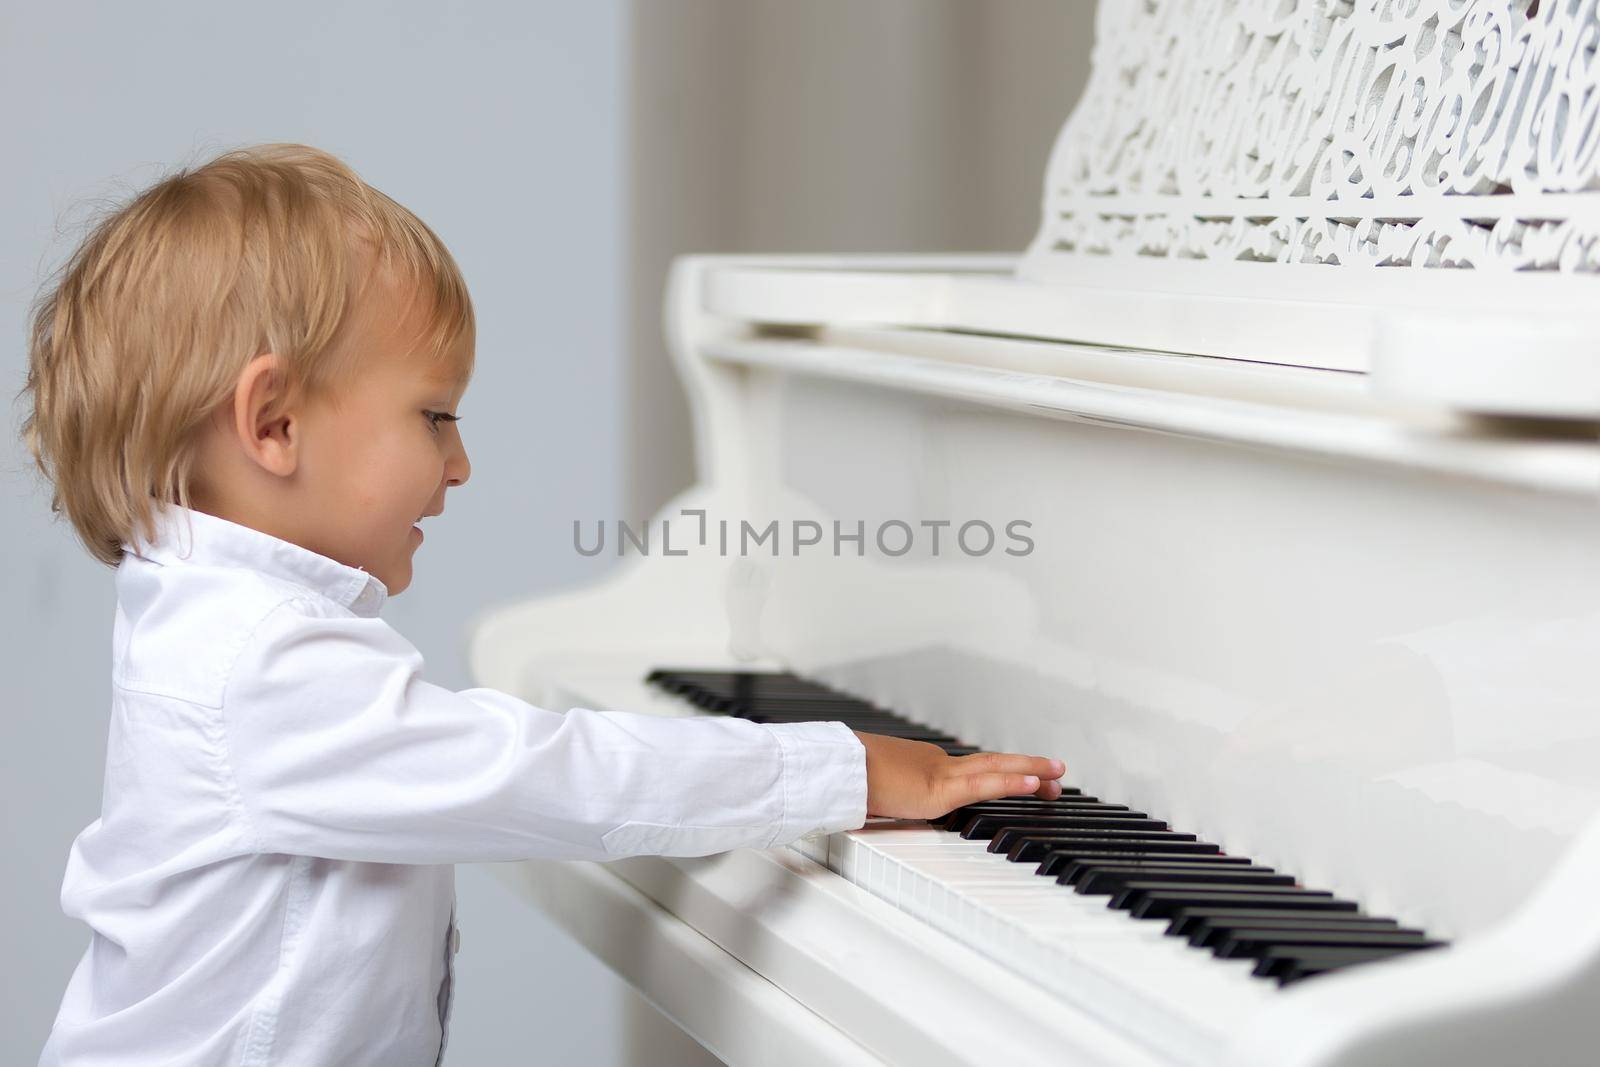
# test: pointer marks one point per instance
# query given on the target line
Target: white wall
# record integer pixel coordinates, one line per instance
(502, 125)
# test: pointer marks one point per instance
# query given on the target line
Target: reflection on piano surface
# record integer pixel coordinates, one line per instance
(1300, 398)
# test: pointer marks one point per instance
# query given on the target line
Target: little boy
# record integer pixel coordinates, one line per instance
(244, 391)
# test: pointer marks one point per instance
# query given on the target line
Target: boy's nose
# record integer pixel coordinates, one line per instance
(459, 468)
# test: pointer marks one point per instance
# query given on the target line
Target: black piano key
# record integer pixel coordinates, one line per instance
(868, 728)
(1070, 794)
(912, 733)
(1038, 849)
(893, 725)
(749, 687)
(983, 827)
(1008, 839)
(1070, 798)
(801, 700)
(763, 689)
(956, 821)
(783, 697)
(1057, 861)
(814, 714)
(1196, 894)
(1292, 964)
(811, 714)
(803, 710)
(1240, 944)
(1212, 936)
(860, 720)
(1077, 871)
(745, 685)
(1105, 879)
(1158, 900)
(1065, 804)
(812, 708)
(747, 682)
(801, 713)
(1070, 807)
(1051, 853)
(787, 699)
(1031, 805)
(1185, 921)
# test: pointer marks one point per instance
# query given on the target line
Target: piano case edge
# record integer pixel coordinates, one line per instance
(841, 977)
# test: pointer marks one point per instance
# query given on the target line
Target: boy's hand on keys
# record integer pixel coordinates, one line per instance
(916, 780)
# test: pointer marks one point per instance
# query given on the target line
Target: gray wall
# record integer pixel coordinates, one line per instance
(828, 126)
(565, 152)
(503, 126)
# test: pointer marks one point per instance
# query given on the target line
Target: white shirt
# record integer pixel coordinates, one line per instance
(269, 881)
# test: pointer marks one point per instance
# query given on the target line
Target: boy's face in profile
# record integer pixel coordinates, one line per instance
(349, 472)
(379, 454)
(388, 447)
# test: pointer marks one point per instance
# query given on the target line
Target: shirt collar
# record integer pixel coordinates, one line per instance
(184, 535)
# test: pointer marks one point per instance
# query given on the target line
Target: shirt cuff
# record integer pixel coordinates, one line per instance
(824, 779)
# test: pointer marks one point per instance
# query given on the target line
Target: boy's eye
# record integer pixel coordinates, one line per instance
(436, 417)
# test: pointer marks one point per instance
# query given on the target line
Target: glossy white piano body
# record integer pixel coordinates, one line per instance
(1315, 573)
(1354, 646)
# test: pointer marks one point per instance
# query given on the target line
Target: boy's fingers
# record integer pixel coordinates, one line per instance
(993, 785)
(1012, 763)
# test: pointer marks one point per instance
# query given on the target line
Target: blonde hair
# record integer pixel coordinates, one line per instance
(146, 328)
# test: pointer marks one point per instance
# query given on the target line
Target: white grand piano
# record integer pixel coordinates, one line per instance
(1297, 391)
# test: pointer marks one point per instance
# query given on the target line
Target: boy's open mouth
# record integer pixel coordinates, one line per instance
(417, 526)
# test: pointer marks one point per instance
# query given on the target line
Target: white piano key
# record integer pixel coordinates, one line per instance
(1072, 944)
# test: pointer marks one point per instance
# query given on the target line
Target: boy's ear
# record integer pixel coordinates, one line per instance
(267, 429)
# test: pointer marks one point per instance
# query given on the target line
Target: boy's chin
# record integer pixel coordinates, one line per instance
(402, 580)
(396, 576)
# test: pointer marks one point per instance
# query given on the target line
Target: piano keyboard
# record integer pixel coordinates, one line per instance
(1084, 852)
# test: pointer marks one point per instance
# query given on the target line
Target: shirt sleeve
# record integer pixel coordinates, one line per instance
(339, 749)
